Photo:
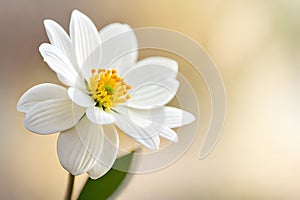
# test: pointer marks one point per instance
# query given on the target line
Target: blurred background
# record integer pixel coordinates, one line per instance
(254, 43)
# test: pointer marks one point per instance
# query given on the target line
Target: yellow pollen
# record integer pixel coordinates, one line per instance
(107, 88)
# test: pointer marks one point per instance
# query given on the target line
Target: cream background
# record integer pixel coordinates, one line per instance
(256, 47)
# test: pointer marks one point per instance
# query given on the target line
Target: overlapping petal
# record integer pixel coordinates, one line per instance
(80, 97)
(86, 42)
(168, 133)
(39, 93)
(109, 153)
(59, 38)
(152, 69)
(80, 147)
(153, 94)
(119, 47)
(98, 116)
(53, 116)
(159, 117)
(166, 115)
(176, 117)
(143, 131)
(59, 63)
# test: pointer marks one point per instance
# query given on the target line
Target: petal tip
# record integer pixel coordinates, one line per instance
(157, 143)
(153, 148)
(187, 118)
(190, 117)
(77, 13)
(47, 22)
(94, 178)
(19, 106)
(175, 140)
(43, 46)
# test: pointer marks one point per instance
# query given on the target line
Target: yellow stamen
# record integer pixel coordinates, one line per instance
(107, 88)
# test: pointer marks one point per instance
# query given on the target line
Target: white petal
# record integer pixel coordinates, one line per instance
(152, 69)
(109, 153)
(176, 117)
(119, 47)
(59, 38)
(165, 115)
(80, 98)
(141, 130)
(159, 117)
(169, 134)
(98, 170)
(86, 41)
(40, 93)
(99, 116)
(155, 94)
(53, 116)
(79, 147)
(59, 63)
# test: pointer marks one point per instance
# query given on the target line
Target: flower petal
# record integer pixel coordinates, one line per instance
(59, 38)
(176, 117)
(59, 63)
(169, 134)
(78, 148)
(109, 153)
(80, 98)
(155, 94)
(53, 116)
(84, 36)
(40, 93)
(99, 116)
(141, 130)
(159, 117)
(165, 115)
(119, 47)
(152, 69)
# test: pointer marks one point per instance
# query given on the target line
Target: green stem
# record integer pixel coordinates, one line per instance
(70, 187)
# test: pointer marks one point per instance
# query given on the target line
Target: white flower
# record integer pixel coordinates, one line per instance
(108, 87)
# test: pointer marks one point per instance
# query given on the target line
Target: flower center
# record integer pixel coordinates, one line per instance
(107, 88)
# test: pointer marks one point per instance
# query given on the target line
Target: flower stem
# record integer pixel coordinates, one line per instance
(70, 187)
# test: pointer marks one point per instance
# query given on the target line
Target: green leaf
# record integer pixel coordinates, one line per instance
(105, 186)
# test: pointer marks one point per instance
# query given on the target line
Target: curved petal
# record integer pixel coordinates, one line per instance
(39, 93)
(84, 36)
(109, 153)
(176, 117)
(143, 131)
(53, 116)
(59, 63)
(59, 38)
(119, 47)
(152, 69)
(80, 98)
(78, 148)
(165, 115)
(169, 134)
(98, 116)
(159, 117)
(154, 94)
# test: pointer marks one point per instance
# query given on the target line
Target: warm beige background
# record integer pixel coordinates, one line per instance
(255, 44)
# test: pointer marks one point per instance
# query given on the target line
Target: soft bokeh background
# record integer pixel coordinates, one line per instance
(256, 47)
